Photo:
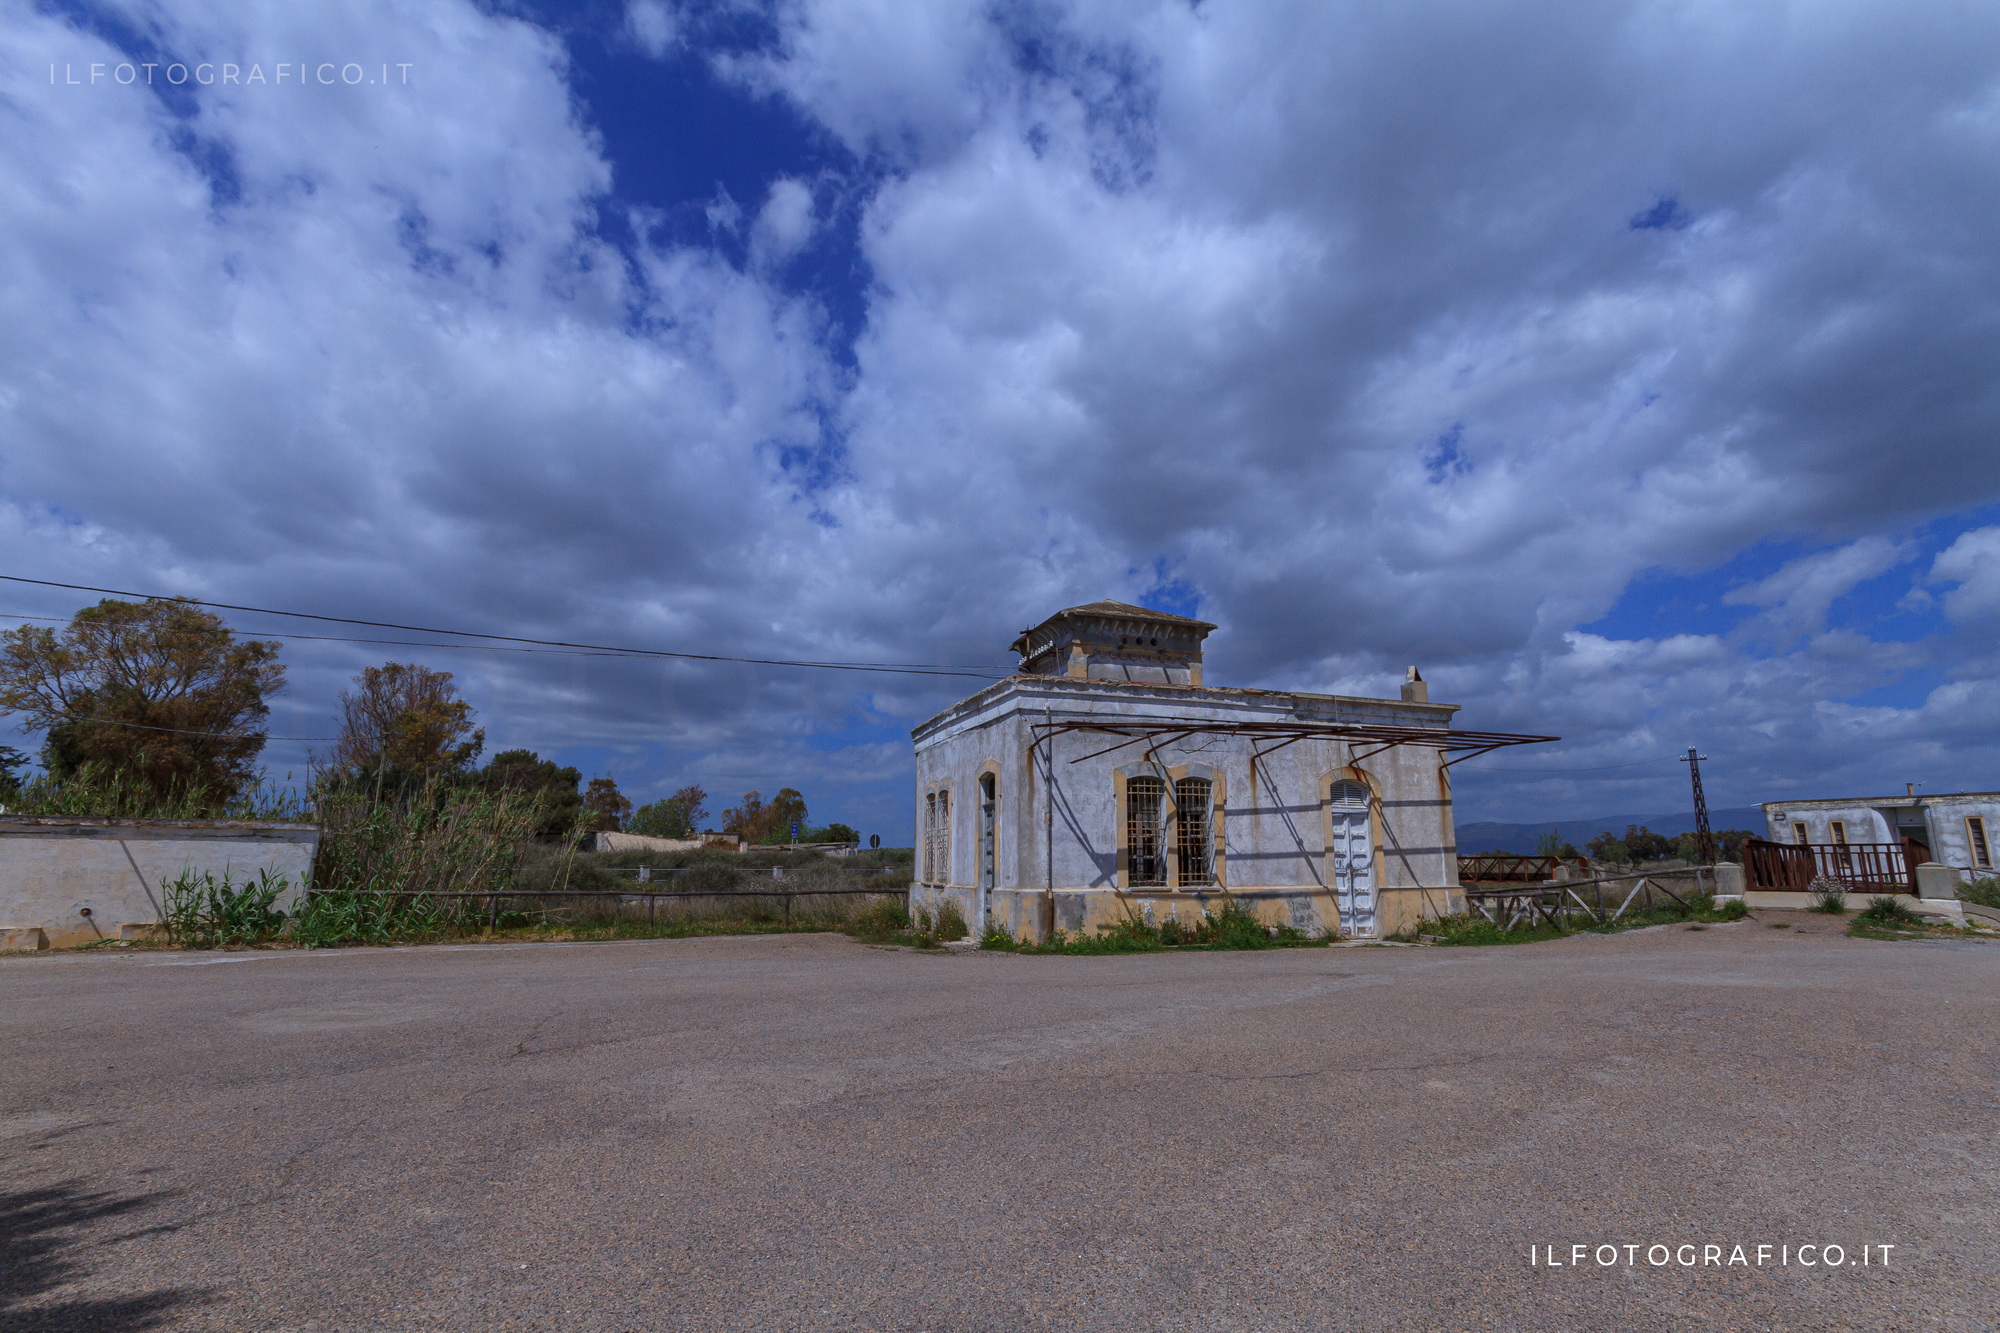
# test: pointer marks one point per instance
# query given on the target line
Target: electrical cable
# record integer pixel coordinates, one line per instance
(1606, 768)
(610, 649)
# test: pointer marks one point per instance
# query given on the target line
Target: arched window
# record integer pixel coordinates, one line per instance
(1194, 844)
(937, 837)
(943, 867)
(930, 838)
(1145, 832)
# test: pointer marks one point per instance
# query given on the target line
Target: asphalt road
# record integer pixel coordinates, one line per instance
(805, 1133)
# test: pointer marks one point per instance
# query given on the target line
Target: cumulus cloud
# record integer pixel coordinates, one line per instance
(1379, 334)
(1973, 563)
(1798, 596)
(784, 224)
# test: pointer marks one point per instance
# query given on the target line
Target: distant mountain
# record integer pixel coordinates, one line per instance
(1496, 837)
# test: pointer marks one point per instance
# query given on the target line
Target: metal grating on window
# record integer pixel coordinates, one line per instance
(1193, 841)
(942, 869)
(1145, 855)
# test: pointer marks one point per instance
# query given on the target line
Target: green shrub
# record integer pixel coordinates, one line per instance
(1889, 911)
(204, 912)
(1985, 892)
(1829, 898)
(951, 923)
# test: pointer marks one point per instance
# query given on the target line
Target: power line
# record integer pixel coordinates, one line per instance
(1606, 768)
(392, 643)
(608, 649)
(179, 731)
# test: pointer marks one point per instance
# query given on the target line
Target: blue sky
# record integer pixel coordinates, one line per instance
(1630, 367)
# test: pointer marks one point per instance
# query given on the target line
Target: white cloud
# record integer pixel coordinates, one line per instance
(654, 26)
(1798, 596)
(785, 223)
(1335, 314)
(1973, 563)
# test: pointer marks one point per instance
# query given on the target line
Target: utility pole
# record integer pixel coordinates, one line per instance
(1704, 839)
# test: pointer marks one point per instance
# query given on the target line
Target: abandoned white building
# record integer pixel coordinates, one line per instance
(1105, 780)
(1956, 830)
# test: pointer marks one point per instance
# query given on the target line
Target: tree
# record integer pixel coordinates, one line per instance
(12, 761)
(159, 692)
(749, 821)
(555, 786)
(786, 809)
(1604, 847)
(1553, 843)
(1646, 845)
(604, 806)
(756, 822)
(1729, 842)
(833, 833)
(676, 816)
(407, 721)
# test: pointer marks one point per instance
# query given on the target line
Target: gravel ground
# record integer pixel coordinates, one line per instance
(805, 1133)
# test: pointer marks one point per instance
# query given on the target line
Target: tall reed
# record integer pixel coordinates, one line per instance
(383, 864)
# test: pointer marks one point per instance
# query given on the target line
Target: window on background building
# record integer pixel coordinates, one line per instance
(1975, 836)
(1799, 834)
(1194, 850)
(941, 869)
(1838, 830)
(1145, 855)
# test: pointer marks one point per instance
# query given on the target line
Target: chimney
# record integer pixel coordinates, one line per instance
(1415, 691)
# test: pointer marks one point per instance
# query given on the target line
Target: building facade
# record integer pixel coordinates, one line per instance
(1107, 781)
(1956, 830)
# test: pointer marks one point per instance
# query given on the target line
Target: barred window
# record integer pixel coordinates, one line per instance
(930, 837)
(1194, 851)
(941, 863)
(1145, 854)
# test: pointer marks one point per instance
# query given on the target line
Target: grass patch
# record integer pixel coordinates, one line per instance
(1887, 911)
(1232, 928)
(1985, 892)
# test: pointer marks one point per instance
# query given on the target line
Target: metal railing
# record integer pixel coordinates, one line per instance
(1507, 868)
(1876, 867)
(1557, 903)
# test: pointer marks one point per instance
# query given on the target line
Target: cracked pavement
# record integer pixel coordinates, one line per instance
(800, 1132)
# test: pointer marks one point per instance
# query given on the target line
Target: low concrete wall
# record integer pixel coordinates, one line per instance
(1791, 900)
(1023, 913)
(639, 842)
(67, 881)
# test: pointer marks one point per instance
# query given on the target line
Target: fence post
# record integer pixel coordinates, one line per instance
(492, 913)
(788, 911)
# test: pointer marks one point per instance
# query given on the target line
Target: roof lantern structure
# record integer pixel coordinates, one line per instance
(1115, 641)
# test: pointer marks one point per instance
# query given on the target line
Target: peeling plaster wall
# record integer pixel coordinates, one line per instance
(1272, 828)
(51, 869)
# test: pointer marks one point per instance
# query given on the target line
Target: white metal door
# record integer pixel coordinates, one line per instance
(1351, 860)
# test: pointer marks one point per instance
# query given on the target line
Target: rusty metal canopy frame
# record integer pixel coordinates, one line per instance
(1159, 732)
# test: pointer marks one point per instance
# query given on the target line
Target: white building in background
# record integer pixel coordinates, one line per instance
(1107, 780)
(1955, 830)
